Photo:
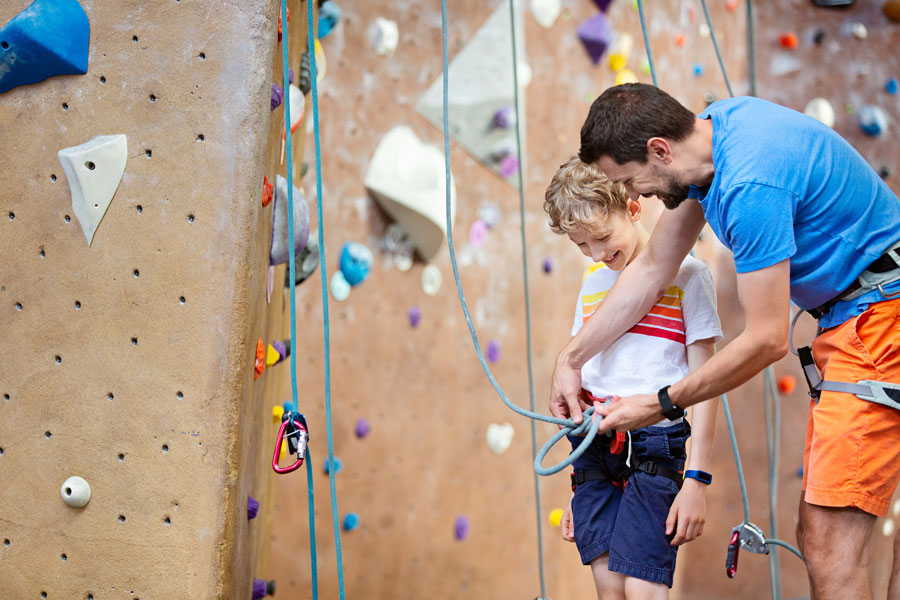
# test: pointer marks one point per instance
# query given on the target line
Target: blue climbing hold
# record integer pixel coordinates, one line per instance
(356, 262)
(351, 522)
(338, 466)
(892, 86)
(872, 120)
(329, 15)
(698, 69)
(49, 38)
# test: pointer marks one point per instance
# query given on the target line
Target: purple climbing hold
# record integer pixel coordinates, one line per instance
(262, 588)
(290, 76)
(547, 265)
(461, 527)
(283, 349)
(415, 315)
(509, 166)
(252, 508)
(603, 4)
(493, 351)
(277, 96)
(362, 428)
(596, 34)
(504, 118)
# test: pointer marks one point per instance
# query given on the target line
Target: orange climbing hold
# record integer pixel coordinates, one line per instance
(788, 40)
(732, 5)
(787, 384)
(260, 359)
(279, 22)
(267, 191)
(679, 40)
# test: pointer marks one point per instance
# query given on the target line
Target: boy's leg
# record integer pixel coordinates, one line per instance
(610, 585)
(638, 589)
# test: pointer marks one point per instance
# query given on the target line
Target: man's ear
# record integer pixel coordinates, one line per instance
(659, 149)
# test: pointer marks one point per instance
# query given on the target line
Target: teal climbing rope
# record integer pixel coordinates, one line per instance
(310, 36)
(311, 504)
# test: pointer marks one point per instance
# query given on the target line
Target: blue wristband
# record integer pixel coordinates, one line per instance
(701, 476)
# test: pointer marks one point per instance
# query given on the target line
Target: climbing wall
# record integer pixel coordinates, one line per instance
(130, 362)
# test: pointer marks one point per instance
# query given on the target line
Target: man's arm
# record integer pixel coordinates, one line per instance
(637, 289)
(765, 298)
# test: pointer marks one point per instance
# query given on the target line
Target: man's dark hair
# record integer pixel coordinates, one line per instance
(625, 116)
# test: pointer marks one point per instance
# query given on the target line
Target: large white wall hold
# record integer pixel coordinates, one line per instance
(94, 170)
(385, 36)
(406, 177)
(820, 109)
(75, 492)
(545, 11)
(499, 437)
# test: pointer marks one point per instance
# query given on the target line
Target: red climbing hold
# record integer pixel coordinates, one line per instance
(260, 359)
(786, 384)
(267, 191)
(788, 40)
(279, 22)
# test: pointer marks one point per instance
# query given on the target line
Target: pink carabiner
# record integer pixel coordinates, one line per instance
(301, 445)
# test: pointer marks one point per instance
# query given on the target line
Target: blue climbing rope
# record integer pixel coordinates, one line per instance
(647, 43)
(537, 486)
(310, 38)
(311, 504)
(589, 425)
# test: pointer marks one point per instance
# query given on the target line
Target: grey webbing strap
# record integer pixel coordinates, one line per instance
(880, 392)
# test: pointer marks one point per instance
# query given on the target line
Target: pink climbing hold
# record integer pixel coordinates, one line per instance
(509, 166)
(277, 96)
(478, 233)
(461, 527)
(493, 351)
(415, 315)
(362, 428)
(252, 508)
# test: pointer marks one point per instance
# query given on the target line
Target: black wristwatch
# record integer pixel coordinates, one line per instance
(669, 410)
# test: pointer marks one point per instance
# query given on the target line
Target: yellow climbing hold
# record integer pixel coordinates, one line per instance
(625, 76)
(556, 516)
(277, 413)
(272, 356)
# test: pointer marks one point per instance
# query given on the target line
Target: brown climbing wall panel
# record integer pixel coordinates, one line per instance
(130, 362)
(425, 462)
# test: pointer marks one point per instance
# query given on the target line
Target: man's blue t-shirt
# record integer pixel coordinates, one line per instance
(787, 186)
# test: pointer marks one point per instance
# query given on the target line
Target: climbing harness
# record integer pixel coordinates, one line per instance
(293, 429)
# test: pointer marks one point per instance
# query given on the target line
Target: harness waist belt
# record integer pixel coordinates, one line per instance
(887, 262)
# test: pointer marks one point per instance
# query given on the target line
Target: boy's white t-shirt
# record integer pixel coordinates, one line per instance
(652, 354)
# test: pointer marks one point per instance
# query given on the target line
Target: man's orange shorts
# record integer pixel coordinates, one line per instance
(852, 455)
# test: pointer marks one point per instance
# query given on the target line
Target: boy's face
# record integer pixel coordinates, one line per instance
(614, 240)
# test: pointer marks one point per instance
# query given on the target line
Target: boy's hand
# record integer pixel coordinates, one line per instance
(567, 524)
(565, 392)
(688, 511)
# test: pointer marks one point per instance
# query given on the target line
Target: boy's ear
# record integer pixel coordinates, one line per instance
(659, 148)
(634, 209)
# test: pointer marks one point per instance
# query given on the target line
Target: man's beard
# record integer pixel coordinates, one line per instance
(674, 194)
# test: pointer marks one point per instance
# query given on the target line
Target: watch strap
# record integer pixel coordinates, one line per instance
(669, 410)
(701, 476)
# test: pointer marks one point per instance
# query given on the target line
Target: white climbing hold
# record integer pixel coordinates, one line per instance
(406, 177)
(499, 437)
(298, 106)
(888, 528)
(385, 36)
(820, 109)
(75, 491)
(545, 11)
(94, 170)
(703, 29)
(431, 280)
(340, 288)
(859, 30)
(896, 508)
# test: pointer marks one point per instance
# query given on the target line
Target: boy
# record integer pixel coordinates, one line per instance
(631, 505)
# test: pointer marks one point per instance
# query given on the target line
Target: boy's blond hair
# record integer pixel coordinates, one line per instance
(581, 196)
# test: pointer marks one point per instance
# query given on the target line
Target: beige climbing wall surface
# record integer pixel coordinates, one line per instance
(129, 362)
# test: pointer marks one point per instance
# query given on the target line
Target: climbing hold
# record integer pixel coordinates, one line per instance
(283, 349)
(303, 80)
(891, 10)
(732, 5)
(306, 261)
(490, 214)
(385, 36)
(545, 12)
(431, 280)
(499, 437)
(555, 517)
(362, 428)
(329, 15)
(277, 96)
(338, 466)
(298, 106)
(280, 241)
(277, 413)
(504, 118)
(288, 407)
(645, 67)
(859, 30)
(884, 172)
(288, 11)
(49, 38)
(351, 522)
(340, 288)
(260, 363)
(788, 40)
(461, 527)
(94, 170)
(252, 508)
(872, 120)
(509, 166)
(887, 528)
(321, 64)
(261, 589)
(603, 5)
(703, 30)
(625, 76)
(478, 233)
(679, 40)
(698, 69)
(272, 356)
(799, 471)
(787, 384)
(547, 265)
(406, 177)
(596, 34)
(892, 86)
(820, 109)
(356, 262)
(819, 37)
(75, 491)
(620, 51)
(493, 351)
(415, 315)
(267, 191)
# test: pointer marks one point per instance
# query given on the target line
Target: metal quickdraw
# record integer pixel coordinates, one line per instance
(749, 537)
(293, 428)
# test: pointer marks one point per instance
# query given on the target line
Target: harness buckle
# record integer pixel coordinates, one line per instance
(649, 467)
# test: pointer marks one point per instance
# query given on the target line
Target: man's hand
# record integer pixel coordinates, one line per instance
(688, 512)
(629, 413)
(565, 391)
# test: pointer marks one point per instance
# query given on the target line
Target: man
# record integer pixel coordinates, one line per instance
(804, 216)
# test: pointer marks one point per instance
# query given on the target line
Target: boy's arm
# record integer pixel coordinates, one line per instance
(687, 515)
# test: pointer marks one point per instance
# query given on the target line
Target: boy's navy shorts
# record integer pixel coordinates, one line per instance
(630, 525)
